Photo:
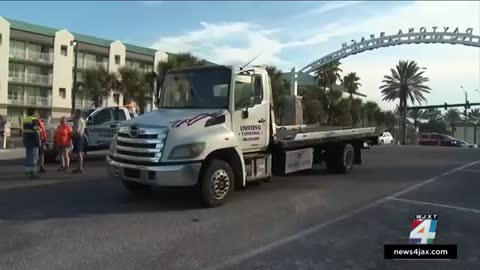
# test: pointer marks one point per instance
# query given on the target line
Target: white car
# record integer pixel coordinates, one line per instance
(465, 144)
(385, 138)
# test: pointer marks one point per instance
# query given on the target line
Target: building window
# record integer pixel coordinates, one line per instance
(117, 59)
(63, 50)
(116, 98)
(62, 92)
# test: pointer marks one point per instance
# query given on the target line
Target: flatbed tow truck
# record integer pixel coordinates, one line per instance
(215, 130)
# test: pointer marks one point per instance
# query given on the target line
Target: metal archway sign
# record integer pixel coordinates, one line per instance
(444, 36)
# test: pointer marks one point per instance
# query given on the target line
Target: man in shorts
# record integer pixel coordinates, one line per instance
(79, 139)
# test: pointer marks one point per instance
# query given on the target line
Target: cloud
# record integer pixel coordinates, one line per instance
(212, 40)
(323, 35)
(327, 7)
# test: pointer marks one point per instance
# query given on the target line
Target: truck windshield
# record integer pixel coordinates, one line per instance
(196, 89)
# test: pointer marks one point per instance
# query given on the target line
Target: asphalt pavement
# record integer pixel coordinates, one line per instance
(310, 220)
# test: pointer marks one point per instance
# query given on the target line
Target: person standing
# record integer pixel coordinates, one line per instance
(63, 142)
(3, 135)
(31, 141)
(43, 144)
(79, 139)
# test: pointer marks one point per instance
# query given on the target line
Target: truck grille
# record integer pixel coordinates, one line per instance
(140, 145)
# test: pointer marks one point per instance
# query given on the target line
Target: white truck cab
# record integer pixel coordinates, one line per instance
(214, 129)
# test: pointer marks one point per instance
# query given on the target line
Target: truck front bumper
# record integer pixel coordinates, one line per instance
(163, 175)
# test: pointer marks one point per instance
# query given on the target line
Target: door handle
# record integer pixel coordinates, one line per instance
(261, 120)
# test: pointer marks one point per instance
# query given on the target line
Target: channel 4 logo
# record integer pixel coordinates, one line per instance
(424, 228)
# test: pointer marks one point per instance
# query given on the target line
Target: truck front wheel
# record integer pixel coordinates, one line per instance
(216, 183)
(340, 158)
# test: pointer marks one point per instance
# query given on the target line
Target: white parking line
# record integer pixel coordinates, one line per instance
(472, 210)
(470, 170)
(242, 257)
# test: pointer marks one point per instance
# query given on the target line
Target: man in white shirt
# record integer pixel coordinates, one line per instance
(79, 125)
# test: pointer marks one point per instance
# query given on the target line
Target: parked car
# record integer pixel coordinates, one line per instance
(386, 138)
(442, 140)
(101, 126)
(465, 144)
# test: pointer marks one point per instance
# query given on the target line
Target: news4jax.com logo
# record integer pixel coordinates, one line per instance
(424, 229)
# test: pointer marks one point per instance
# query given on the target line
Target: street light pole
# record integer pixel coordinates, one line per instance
(74, 88)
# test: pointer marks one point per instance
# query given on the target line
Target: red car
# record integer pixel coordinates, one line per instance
(437, 139)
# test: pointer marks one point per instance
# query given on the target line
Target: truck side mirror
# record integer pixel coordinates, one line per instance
(245, 113)
(157, 101)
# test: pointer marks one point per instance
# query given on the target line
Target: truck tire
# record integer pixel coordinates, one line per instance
(340, 158)
(217, 181)
(136, 188)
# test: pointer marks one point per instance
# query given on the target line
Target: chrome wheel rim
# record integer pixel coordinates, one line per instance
(220, 184)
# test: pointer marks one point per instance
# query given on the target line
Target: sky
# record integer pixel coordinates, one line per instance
(285, 34)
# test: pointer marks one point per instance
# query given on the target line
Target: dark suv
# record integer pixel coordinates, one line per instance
(437, 139)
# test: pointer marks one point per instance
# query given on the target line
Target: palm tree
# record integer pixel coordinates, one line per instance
(406, 82)
(433, 114)
(351, 83)
(416, 114)
(334, 107)
(149, 81)
(280, 89)
(130, 84)
(474, 114)
(452, 116)
(391, 119)
(370, 107)
(96, 85)
(327, 76)
(181, 60)
(356, 110)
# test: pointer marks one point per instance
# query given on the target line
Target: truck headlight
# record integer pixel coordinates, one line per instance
(184, 151)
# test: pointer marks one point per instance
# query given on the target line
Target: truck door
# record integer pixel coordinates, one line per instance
(250, 113)
(103, 126)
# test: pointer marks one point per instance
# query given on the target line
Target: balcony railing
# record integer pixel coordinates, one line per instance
(17, 53)
(92, 64)
(30, 100)
(40, 56)
(30, 78)
(39, 101)
(32, 55)
(39, 79)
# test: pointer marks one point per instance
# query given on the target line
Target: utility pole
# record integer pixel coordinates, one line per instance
(74, 88)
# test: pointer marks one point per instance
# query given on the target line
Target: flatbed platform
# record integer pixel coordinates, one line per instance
(309, 135)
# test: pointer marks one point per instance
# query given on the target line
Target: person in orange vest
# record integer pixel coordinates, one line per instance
(43, 144)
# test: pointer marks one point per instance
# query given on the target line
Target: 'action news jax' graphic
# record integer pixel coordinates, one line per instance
(422, 235)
